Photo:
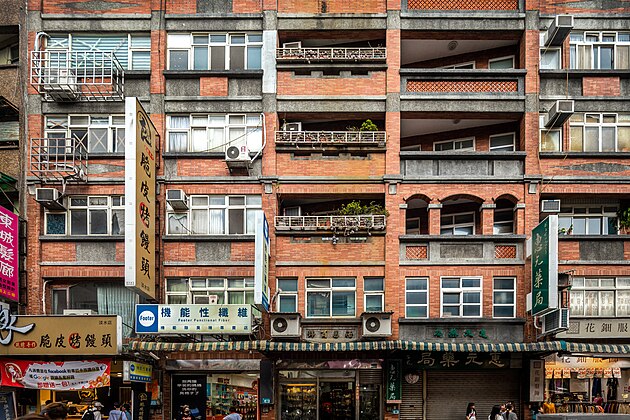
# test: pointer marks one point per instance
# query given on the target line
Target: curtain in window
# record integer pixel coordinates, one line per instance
(178, 142)
(623, 57)
(199, 221)
(115, 299)
(585, 56)
(217, 221)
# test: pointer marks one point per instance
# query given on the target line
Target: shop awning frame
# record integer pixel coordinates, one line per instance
(275, 346)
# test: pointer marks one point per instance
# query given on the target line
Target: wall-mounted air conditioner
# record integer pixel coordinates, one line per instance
(79, 312)
(376, 324)
(292, 126)
(177, 199)
(555, 321)
(559, 113)
(49, 198)
(61, 84)
(550, 206)
(297, 44)
(206, 299)
(286, 325)
(234, 153)
(558, 31)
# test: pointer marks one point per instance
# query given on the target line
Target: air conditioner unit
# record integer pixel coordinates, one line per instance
(297, 44)
(49, 198)
(559, 113)
(206, 299)
(293, 126)
(61, 84)
(558, 30)
(555, 321)
(376, 324)
(79, 312)
(286, 325)
(234, 153)
(177, 199)
(550, 206)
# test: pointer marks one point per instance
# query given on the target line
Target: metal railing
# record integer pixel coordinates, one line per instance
(58, 159)
(331, 54)
(72, 76)
(344, 138)
(337, 224)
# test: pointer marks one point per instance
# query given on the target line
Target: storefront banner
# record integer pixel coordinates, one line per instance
(429, 360)
(141, 405)
(194, 319)
(137, 372)
(536, 380)
(394, 381)
(575, 363)
(261, 265)
(545, 266)
(7, 406)
(58, 376)
(60, 335)
(9, 255)
(597, 328)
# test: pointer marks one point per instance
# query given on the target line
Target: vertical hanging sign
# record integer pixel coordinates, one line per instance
(140, 167)
(545, 266)
(9, 255)
(394, 382)
(261, 265)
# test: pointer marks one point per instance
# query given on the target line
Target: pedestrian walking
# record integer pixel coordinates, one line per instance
(116, 414)
(509, 412)
(471, 413)
(495, 414)
(233, 415)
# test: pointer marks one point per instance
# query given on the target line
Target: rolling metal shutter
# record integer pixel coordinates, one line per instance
(411, 405)
(448, 393)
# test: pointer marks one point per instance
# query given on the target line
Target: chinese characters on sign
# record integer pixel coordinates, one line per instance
(8, 255)
(137, 372)
(536, 380)
(545, 266)
(60, 376)
(197, 319)
(597, 328)
(190, 390)
(140, 217)
(394, 381)
(452, 360)
(330, 334)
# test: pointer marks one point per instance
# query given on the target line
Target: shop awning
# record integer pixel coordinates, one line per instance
(274, 346)
(599, 348)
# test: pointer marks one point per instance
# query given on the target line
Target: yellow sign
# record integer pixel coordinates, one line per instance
(140, 167)
(60, 335)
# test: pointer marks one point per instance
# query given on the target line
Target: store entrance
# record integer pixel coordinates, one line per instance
(336, 400)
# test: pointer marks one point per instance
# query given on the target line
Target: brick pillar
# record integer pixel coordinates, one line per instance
(434, 218)
(487, 218)
(519, 219)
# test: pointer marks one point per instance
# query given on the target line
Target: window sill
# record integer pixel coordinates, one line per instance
(517, 321)
(193, 74)
(578, 73)
(137, 74)
(105, 155)
(575, 237)
(10, 66)
(193, 155)
(463, 238)
(576, 155)
(330, 320)
(208, 238)
(82, 238)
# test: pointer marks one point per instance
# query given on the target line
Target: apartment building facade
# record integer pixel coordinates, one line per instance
(402, 153)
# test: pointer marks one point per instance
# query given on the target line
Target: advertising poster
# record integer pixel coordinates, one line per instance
(141, 405)
(59, 376)
(189, 390)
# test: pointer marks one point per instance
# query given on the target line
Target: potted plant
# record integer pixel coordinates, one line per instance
(350, 225)
(623, 215)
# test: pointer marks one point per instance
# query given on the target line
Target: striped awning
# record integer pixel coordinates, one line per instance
(274, 346)
(599, 348)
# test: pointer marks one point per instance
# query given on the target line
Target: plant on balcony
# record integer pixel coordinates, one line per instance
(349, 225)
(624, 217)
(355, 208)
(368, 125)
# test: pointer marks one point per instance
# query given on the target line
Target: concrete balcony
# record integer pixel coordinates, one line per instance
(58, 159)
(345, 225)
(594, 249)
(462, 250)
(443, 90)
(460, 5)
(336, 55)
(463, 166)
(77, 76)
(340, 139)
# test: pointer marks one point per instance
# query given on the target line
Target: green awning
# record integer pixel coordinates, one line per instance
(274, 346)
(599, 348)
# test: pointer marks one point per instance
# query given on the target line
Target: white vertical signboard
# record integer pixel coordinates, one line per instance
(261, 267)
(140, 218)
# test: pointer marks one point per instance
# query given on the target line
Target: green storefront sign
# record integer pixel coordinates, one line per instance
(545, 266)
(394, 381)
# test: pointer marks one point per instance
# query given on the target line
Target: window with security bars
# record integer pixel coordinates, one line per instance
(214, 51)
(205, 133)
(133, 51)
(592, 132)
(600, 297)
(88, 215)
(599, 50)
(504, 297)
(461, 297)
(215, 215)
(204, 290)
(98, 133)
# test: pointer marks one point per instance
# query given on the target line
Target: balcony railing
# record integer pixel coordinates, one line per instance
(338, 224)
(462, 5)
(73, 76)
(58, 159)
(331, 54)
(338, 138)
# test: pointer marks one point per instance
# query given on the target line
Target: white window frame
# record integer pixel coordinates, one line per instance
(425, 291)
(557, 63)
(211, 287)
(110, 207)
(331, 290)
(454, 225)
(461, 66)
(502, 148)
(579, 286)
(374, 293)
(600, 125)
(605, 213)
(179, 293)
(116, 123)
(504, 305)
(227, 44)
(293, 294)
(575, 45)
(456, 142)
(503, 222)
(493, 60)
(544, 131)
(252, 137)
(461, 290)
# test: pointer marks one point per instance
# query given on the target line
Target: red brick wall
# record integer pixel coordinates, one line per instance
(347, 167)
(289, 84)
(569, 167)
(331, 6)
(290, 249)
(601, 86)
(213, 86)
(246, 6)
(75, 7)
(181, 7)
(571, 7)
(202, 167)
